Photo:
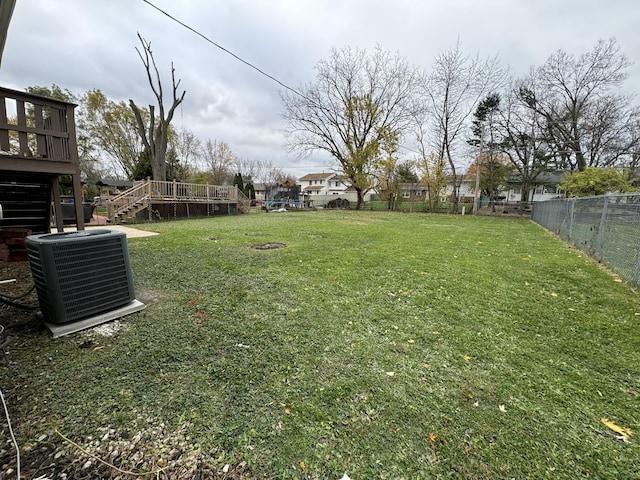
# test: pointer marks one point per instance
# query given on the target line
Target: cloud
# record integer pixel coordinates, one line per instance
(82, 45)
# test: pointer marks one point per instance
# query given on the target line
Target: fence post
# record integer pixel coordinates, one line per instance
(572, 202)
(636, 273)
(603, 217)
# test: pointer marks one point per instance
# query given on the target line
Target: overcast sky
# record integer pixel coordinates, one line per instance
(85, 44)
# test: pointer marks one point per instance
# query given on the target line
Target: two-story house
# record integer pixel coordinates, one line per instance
(323, 184)
(317, 189)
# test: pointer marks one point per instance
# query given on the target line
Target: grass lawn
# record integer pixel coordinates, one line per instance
(381, 345)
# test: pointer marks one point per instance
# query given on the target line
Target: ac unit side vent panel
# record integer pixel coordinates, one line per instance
(82, 275)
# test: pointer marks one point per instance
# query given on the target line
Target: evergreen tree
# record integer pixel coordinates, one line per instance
(237, 181)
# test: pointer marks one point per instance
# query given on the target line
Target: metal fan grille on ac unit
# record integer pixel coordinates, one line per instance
(81, 275)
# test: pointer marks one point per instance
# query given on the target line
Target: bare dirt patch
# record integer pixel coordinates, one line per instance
(269, 246)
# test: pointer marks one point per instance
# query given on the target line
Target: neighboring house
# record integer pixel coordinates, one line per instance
(413, 192)
(466, 188)
(261, 190)
(323, 184)
(546, 188)
(317, 189)
(417, 192)
(287, 191)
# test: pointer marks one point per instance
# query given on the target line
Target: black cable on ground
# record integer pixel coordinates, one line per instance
(23, 306)
(10, 300)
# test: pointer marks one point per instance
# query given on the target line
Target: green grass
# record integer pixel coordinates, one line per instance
(378, 344)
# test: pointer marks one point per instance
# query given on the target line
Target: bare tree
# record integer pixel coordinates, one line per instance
(355, 101)
(268, 173)
(587, 119)
(430, 166)
(188, 148)
(451, 91)
(385, 169)
(155, 134)
(248, 167)
(219, 160)
(521, 137)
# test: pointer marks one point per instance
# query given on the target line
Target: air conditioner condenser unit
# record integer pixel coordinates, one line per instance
(81, 274)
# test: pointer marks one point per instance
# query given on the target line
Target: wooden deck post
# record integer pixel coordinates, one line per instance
(57, 207)
(79, 207)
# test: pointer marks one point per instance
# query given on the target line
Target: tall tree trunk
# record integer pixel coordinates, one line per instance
(360, 200)
(155, 137)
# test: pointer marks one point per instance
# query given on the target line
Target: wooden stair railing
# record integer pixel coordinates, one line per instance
(128, 203)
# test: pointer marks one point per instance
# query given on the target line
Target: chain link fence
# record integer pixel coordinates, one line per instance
(606, 228)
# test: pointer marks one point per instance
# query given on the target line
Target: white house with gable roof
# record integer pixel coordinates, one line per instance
(320, 188)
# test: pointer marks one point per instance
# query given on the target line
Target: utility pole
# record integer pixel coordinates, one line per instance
(476, 202)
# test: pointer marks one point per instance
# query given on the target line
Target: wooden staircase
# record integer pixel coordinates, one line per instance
(132, 210)
(128, 204)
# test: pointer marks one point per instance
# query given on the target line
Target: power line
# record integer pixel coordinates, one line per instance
(249, 64)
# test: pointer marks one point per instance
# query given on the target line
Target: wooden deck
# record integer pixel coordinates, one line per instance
(149, 196)
(38, 140)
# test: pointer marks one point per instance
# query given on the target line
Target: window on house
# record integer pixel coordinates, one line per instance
(406, 194)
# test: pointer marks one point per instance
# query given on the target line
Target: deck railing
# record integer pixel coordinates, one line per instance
(38, 128)
(38, 135)
(150, 191)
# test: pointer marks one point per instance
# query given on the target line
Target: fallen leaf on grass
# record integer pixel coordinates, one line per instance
(553, 294)
(432, 441)
(624, 433)
(303, 465)
(391, 374)
(194, 301)
(287, 411)
(466, 358)
(502, 408)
